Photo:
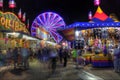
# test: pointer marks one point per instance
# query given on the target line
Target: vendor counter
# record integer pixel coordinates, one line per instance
(99, 60)
(88, 58)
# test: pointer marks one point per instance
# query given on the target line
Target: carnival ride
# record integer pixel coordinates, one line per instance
(48, 21)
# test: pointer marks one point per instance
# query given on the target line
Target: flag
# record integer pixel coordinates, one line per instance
(24, 17)
(1, 3)
(12, 4)
(28, 24)
(99, 15)
(20, 14)
(90, 15)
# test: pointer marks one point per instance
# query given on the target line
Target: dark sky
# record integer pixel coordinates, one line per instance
(70, 10)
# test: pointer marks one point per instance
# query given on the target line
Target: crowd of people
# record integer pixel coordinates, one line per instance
(93, 43)
(17, 56)
(20, 56)
(52, 55)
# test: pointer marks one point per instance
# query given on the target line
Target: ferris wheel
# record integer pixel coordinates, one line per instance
(50, 21)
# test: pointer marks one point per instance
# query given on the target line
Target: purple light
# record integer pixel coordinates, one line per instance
(39, 18)
(50, 21)
(96, 2)
(90, 15)
(56, 21)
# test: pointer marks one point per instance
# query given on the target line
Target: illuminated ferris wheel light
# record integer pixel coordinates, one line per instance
(50, 21)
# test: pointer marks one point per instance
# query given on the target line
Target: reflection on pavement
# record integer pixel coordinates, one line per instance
(88, 76)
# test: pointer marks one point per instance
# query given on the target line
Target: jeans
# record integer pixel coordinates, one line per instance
(117, 65)
(25, 62)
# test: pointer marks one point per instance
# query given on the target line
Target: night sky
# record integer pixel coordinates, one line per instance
(70, 10)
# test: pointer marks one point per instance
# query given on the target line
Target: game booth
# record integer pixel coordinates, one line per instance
(92, 31)
(13, 32)
(10, 24)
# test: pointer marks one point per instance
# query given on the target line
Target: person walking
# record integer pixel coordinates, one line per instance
(2, 58)
(25, 55)
(61, 55)
(31, 54)
(65, 57)
(15, 57)
(40, 54)
(116, 59)
(74, 54)
(9, 56)
(53, 59)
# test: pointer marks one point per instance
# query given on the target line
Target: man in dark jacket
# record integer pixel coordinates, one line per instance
(65, 57)
(60, 55)
(15, 57)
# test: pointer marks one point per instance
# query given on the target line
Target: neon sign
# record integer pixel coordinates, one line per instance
(11, 22)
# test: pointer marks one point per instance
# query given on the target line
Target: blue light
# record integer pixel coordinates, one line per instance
(77, 24)
(85, 25)
(97, 24)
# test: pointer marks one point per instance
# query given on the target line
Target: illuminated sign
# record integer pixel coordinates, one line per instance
(42, 33)
(9, 21)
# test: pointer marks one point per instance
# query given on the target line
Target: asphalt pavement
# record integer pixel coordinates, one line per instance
(40, 71)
